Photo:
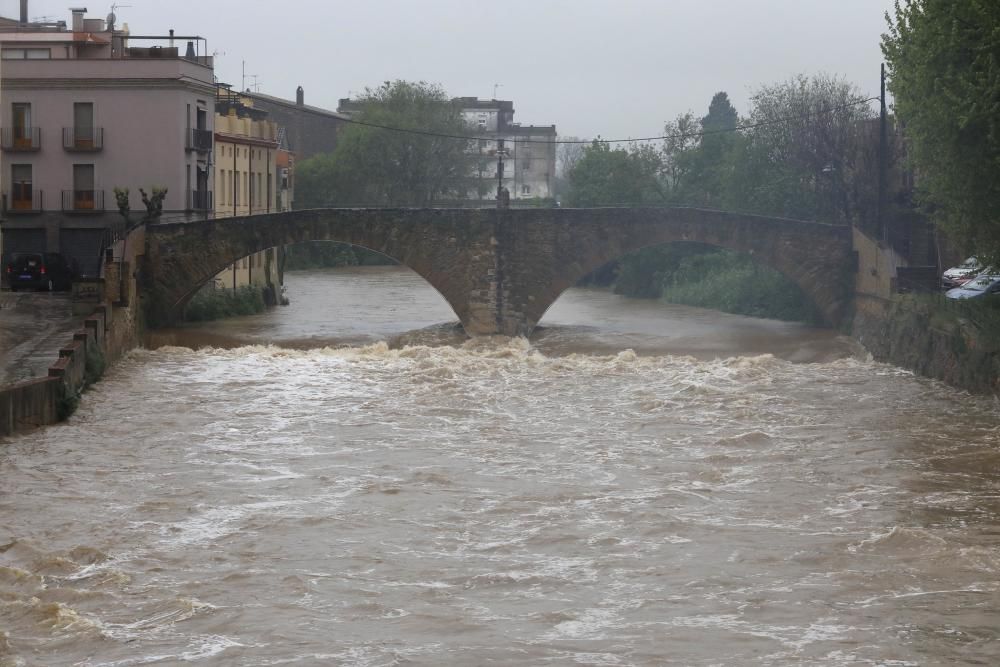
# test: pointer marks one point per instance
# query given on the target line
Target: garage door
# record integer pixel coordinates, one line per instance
(83, 246)
(23, 240)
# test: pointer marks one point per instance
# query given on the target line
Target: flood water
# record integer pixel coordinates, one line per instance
(348, 481)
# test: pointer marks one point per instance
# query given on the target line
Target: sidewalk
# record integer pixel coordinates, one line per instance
(33, 327)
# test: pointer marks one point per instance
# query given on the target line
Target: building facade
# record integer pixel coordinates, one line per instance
(252, 178)
(88, 108)
(529, 151)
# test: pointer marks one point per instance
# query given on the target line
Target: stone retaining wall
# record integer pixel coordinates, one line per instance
(107, 334)
(911, 334)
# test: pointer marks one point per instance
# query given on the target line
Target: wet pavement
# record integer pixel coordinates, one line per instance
(33, 327)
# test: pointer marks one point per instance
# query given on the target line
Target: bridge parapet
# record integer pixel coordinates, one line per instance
(500, 270)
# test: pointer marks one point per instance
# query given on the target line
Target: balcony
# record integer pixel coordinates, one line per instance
(24, 201)
(83, 201)
(21, 139)
(199, 140)
(199, 200)
(83, 139)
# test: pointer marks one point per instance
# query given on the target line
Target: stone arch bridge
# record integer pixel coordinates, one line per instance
(500, 270)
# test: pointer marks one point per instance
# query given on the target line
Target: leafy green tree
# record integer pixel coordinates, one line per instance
(802, 157)
(943, 59)
(604, 176)
(378, 167)
(698, 154)
(680, 157)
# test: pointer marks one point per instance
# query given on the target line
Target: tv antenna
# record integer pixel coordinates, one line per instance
(495, 86)
(243, 85)
(113, 16)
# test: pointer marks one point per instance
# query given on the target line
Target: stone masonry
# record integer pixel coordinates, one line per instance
(500, 270)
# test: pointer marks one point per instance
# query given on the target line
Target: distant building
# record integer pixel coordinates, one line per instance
(309, 130)
(530, 150)
(87, 108)
(530, 161)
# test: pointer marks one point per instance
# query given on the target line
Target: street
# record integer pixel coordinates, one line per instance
(33, 326)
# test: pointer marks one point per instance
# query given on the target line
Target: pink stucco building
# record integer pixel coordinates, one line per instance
(85, 108)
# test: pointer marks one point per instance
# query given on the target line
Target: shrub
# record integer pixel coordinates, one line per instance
(212, 304)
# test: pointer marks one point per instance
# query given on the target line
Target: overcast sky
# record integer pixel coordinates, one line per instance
(618, 68)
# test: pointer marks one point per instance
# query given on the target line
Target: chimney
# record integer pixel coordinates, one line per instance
(171, 38)
(24, 11)
(189, 54)
(300, 96)
(78, 13)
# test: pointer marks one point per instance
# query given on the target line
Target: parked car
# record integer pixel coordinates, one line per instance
(961, 274)
(39, 270)
(983, 285)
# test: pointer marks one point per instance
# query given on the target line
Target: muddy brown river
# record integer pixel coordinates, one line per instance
(347, 481)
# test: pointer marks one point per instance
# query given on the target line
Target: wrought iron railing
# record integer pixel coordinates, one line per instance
(199, 200)
(199, 140)
(83, 139)
(21, 139)
(83, 201)
(22, 200)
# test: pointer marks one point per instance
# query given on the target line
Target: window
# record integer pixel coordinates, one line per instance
(246, 187)
(236, 188)
(22, 124)
(83, 187)
(260, 189)
(526, 165)
(21, 192)
(83, 124)
(222, 185)
(525, 189)
(26, 54)
(482, 123)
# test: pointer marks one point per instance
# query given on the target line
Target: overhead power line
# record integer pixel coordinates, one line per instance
(680, 135)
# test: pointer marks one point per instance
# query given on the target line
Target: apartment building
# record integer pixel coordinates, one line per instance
(88, 107)
(249, 181)
(528, 151)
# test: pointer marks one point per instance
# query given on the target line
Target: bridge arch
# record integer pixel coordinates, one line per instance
(181, 257)
(500, 270)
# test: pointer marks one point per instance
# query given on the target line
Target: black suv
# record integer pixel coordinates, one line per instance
(39, 270)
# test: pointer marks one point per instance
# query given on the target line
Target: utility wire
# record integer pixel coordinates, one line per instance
(681, 135)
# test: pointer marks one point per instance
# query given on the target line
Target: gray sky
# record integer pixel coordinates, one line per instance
(618, 68)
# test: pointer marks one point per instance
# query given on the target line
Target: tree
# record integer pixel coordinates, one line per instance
(373, 166)
(801, 159)
(944, 73)
(679, 156)
(606, 176)
(697, 153)
(567, 155)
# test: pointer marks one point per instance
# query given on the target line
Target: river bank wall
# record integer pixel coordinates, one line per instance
(926, 334)
(112, 328)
